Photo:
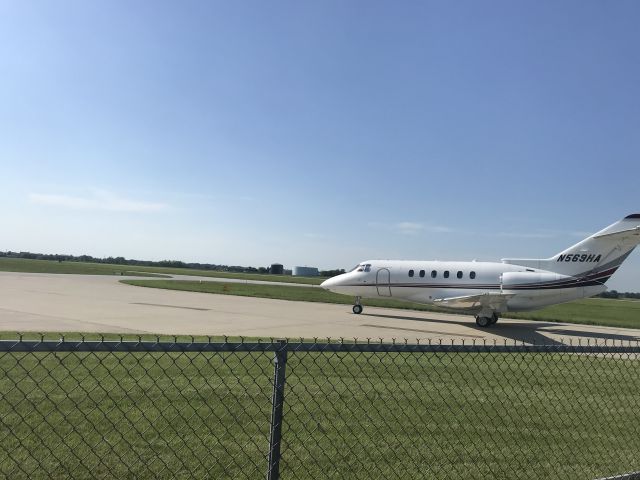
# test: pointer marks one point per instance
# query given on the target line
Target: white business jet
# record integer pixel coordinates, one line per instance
(488, 289)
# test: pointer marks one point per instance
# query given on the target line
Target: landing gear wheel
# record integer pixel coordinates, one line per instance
(483, 322)
(357, 308)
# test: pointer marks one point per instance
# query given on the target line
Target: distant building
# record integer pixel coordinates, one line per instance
(305, 272)
(276, 269)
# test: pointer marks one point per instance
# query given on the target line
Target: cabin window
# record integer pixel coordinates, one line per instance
(446, 274)
(434, 274)
(367, 267)
(421, 273)
(411, 273)
(459, 274)
(472, 275)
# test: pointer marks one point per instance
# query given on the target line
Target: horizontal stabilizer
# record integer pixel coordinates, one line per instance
(632, 234)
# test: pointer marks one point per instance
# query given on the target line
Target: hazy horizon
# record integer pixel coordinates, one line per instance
(320, 134)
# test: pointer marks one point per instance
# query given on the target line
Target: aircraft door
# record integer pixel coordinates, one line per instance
(383, 282)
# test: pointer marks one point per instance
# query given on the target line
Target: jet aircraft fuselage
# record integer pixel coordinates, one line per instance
(488, 289)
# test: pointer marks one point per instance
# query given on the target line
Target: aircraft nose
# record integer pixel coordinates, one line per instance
(327, 284)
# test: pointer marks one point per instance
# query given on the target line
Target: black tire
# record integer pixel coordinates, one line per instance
(494, 319)
(483, 322)
(357, 309)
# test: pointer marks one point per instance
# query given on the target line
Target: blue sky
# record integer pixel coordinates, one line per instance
(318, 133)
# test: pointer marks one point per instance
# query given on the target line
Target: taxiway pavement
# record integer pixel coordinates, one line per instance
(98, 303)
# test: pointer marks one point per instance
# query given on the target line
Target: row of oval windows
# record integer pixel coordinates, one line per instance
(434, 274)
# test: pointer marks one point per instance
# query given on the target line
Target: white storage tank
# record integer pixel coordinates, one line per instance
(305, 272)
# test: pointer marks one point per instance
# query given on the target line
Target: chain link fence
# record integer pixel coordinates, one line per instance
(151, 409)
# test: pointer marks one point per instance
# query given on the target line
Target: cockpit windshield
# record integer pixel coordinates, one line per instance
(362, 267)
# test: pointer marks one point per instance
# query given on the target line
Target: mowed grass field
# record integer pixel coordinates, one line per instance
(78, 268)
(48, 266)
(592, 311)
(366, 415)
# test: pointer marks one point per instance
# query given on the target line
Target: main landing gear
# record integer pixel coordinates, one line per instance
(357, 308)
(484, 321)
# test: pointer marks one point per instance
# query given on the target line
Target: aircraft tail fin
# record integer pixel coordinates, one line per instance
(597, 256)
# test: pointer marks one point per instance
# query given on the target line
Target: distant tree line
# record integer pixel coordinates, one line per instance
(331, 273)
(125, 261)
(619, 295)
(148, 263)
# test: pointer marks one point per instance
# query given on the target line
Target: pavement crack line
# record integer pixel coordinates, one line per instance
(422, 331)
(171, 306)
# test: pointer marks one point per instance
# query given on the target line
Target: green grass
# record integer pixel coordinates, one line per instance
(49, 266)
(78, 268)
(593, 311)
(345, 416)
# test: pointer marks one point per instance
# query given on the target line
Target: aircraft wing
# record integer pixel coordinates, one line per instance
(493, 301)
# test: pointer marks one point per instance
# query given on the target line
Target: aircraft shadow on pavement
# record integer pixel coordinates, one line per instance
(532, 332)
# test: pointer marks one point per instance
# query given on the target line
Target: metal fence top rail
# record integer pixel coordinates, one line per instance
(75, 345)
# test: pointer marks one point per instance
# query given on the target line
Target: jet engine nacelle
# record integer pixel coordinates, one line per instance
(512, 279)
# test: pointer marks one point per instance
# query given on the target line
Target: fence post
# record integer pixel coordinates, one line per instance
(280, 362)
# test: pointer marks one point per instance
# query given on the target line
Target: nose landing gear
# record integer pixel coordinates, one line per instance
(357, 308)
